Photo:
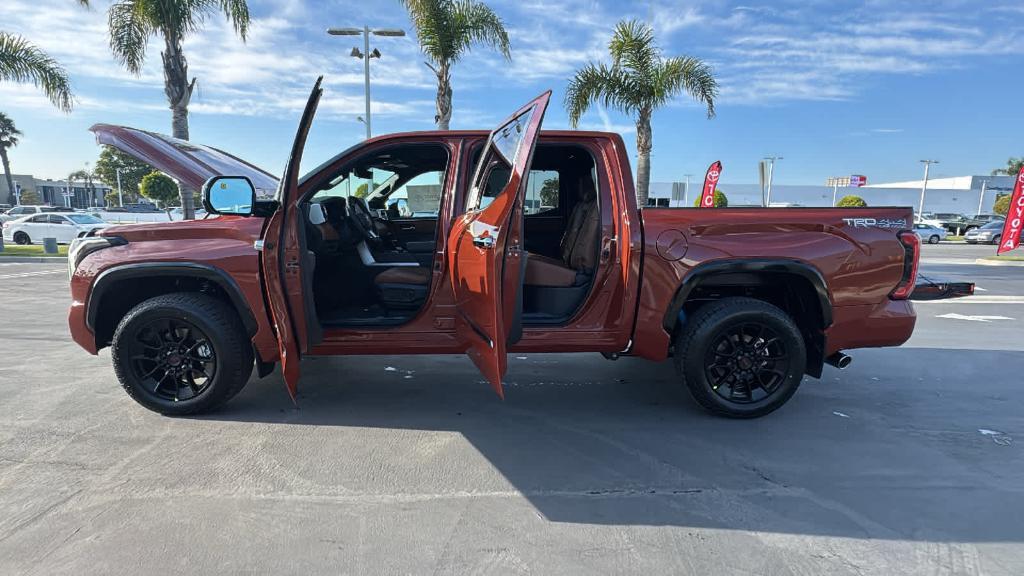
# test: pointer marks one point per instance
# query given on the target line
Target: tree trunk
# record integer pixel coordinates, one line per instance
(11, 198)
(444, 97)
(643, 157)
(179, 93)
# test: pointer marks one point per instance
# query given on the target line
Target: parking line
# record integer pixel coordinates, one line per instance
(30, 274)
(987, 299)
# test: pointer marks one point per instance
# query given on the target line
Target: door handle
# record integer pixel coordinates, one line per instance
(486, 242)
(407, 228)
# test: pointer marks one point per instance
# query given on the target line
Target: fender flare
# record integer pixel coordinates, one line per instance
(698, 274)
(109, 278)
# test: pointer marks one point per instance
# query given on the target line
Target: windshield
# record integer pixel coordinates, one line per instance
(83, 219)
(992, 225)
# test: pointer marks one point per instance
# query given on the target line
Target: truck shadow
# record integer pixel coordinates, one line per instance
(888, 449)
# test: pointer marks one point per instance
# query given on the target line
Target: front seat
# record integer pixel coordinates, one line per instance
(578, 248)
(403, 287)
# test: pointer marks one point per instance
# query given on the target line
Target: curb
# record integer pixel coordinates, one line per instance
(34, 259)
(990, 262)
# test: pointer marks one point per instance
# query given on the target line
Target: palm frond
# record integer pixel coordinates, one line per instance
(599, 83)
(237, 11)
(129, 33)
(475, 22)
(20, 61)
(632, 46)
(8, 132)
(685, 74)
(431, 22)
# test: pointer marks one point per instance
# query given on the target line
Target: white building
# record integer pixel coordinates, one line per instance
(960, 194)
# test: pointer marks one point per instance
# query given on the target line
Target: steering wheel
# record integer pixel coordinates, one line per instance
(361, 219)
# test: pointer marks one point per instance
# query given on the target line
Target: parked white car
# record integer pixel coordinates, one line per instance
(65, 227)
(930, 234)
(21, 211)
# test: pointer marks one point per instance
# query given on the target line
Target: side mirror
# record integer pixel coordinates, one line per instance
(229, 195)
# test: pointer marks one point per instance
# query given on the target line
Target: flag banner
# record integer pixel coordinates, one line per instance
(707, 198)
(1014, 218)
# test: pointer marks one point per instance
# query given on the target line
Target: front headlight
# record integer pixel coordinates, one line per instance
(83, 246)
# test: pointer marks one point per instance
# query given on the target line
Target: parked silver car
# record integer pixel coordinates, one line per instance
(990, 233)
(930, 234)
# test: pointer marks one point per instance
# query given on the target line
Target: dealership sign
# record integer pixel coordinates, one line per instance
(707, 197)
(858, 180)
(1014, 218)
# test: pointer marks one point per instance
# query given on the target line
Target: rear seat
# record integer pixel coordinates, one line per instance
(578, 247)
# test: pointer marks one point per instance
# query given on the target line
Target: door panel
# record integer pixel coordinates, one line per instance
(285, 265)
(485, 245)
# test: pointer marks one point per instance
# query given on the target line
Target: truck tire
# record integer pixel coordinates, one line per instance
(740, 357)
(182, 353)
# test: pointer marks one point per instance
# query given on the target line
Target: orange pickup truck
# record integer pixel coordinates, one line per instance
(480, 243)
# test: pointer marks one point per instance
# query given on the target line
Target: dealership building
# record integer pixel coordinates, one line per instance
(56, 192)
(960, 194)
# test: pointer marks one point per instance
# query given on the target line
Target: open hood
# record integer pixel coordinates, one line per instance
(191, 164)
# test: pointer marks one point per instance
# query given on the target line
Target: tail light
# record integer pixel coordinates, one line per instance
(911, 255)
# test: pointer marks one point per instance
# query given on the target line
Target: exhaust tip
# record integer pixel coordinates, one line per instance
(839, 360)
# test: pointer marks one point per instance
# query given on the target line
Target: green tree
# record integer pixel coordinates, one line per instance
(549, 192)
(721, 201)
(132, 22)
(8, 139)
(638, 82)
(132, 172)
(362, 191)
(851, 201)
(159, 187)
(1002, 205)
(446, 30)
(1013, 166)
(22, 62)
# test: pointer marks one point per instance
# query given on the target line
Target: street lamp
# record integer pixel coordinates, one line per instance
(771, 174)
(924, 186)
(981, 200)
(365, 55)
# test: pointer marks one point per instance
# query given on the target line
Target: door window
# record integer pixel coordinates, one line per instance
(55, 219)
(498, 160)
(42, 219)
(542, 188)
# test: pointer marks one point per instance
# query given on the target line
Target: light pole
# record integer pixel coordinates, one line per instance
(835, 191)
(771, 175)
(981, 200)
(924, 186)
(366, 54)
(120, 197)
(686, 190)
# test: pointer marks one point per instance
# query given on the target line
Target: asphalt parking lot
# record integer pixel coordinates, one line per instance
(908, 462)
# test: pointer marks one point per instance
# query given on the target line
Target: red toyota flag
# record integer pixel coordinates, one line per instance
(1014, 218)
(707, 197)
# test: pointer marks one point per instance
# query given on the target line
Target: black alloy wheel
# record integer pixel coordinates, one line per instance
(172, 358)
(182, 353)
(746, 363)
(740, 357)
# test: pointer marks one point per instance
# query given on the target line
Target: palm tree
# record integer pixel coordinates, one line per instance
(20, 61)
(8, 139)
(132, 22)
(639, 81)
(447, 29)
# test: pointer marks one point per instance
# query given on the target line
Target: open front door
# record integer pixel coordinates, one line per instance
(283, 258)
(485, 247)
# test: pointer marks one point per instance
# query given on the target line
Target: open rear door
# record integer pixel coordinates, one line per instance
(283, 257)
(485, 254)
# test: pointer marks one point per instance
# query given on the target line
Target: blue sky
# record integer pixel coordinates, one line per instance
(835, 87)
